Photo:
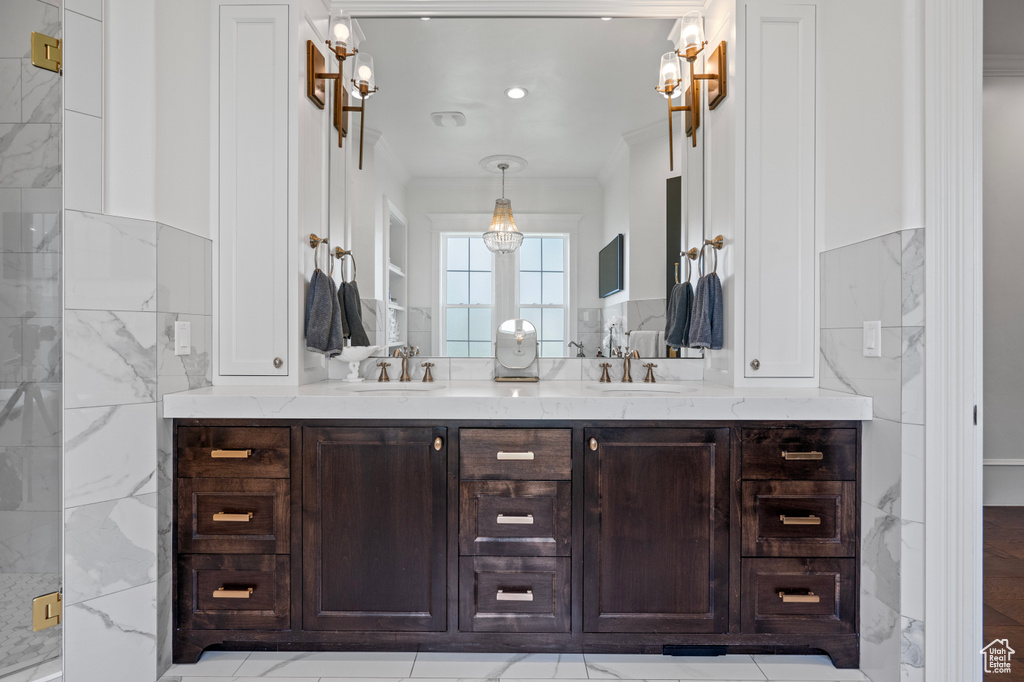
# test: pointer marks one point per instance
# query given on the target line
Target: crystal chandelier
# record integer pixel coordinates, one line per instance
(503, 237)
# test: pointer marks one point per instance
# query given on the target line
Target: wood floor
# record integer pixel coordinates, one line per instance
(1004, 582)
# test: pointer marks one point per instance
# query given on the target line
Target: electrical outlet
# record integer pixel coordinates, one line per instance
(182, 338)
(873, 339)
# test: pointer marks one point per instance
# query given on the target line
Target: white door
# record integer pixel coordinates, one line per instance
(253, 177)
(780, 288)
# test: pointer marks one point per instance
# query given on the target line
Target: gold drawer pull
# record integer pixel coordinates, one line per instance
(526, 519)
(791, 456)
(515, 455)
(809, 598)
(233, 518)
(230, 454)
(811, 520)
(514, 596)
(221, 593)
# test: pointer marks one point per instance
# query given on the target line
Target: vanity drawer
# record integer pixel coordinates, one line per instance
(797, 596)
(513, 594)
(515, 518)
(234, 592)
(799, 518)
(799, 454)
(520, 454)
(233, 452)
(226, 516)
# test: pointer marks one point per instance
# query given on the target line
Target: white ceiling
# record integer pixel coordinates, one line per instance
(589, 82)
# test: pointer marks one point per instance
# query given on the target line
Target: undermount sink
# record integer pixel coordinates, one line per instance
(638, 387)
(386, 387)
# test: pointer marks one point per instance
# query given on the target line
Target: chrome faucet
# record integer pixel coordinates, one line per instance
(579, 349)
(626, 364)
(406, 352)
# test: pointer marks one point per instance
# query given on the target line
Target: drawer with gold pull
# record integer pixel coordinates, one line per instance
(515, 518)
(797, 596)
(233, 452)
(234, 592)
(223, 516)
(799, 518)
(799, 454)
(514, 594)
(515, 454)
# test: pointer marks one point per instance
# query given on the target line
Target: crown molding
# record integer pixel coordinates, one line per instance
(654, 131)
(510, 183)
(1004, 65)
(517, 8)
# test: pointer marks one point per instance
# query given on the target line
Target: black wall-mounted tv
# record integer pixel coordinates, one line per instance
(609, 278)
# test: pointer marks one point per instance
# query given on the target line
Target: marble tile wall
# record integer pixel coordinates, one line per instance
(883, 279)
(128, 281)
(30, 311)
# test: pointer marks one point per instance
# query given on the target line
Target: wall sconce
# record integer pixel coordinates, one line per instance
(671, 77)
(364, 82)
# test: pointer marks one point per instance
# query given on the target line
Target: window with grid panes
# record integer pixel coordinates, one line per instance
(543, 294)
(469, 297)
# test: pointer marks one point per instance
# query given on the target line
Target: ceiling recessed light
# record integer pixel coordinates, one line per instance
(516, 93)
(606, 18)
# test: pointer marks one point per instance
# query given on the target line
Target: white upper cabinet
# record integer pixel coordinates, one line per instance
(253, 293)
(780, 283)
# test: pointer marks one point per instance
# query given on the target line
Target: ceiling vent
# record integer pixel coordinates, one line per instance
(448, 119)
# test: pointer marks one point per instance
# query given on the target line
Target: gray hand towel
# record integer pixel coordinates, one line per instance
(336, 340)
(677, 328)
(700, 321)
(706, 329)
(353, 314)
(319, 312)
(650, 344)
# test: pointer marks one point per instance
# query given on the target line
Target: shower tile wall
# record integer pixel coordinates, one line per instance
(30, 333)
(892, 514)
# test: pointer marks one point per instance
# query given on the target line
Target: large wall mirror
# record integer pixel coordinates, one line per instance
(588, 153)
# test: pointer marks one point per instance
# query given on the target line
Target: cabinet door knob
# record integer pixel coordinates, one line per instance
(438, 443)
(593, 444)
(755, 364)
(278, 362)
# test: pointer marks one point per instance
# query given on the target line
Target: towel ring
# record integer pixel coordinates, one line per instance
(687, 256)
(715, 244)
(316, 258)
(340, 253)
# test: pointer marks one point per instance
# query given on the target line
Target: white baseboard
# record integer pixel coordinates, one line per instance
(1003, 482)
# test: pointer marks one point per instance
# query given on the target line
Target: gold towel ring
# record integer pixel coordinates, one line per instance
(715, 244)
(687, 256)
(340, 253)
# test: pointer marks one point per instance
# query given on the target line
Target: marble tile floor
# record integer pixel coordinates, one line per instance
(392, 667)
(20, 647)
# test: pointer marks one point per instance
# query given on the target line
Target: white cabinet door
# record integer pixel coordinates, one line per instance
(780, 287)
(253, 190)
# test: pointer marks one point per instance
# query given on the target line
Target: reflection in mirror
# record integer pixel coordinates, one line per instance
(588, 154)
(515, 351)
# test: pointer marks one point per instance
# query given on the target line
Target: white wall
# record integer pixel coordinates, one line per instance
(1003, 102)
(615, 183)
(183, 74)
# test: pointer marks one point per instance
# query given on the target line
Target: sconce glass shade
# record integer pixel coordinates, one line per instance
(671, 76)
(363, 73)
(691, 34)
(341, 31)
(503, 237)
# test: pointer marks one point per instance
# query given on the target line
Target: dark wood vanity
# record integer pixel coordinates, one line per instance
(545, 536)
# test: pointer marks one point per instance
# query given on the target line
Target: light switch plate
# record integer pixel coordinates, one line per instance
(182, 338)
(873, 339)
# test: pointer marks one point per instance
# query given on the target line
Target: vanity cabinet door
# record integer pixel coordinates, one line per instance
(656, 530)
(374, 529)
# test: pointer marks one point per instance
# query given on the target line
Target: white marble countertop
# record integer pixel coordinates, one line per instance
(465, 400)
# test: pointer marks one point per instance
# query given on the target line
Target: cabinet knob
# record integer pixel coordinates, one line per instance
(593, 444)
(278, 362)
(438, 443)
(755, 364)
